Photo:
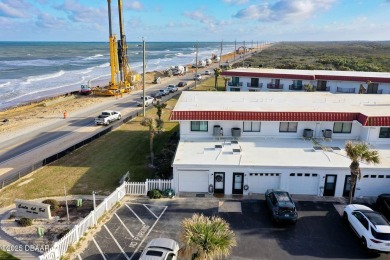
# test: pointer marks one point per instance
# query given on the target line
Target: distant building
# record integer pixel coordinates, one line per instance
(257, 79)
(242, 143)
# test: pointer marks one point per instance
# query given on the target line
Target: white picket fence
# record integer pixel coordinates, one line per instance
(73, 236)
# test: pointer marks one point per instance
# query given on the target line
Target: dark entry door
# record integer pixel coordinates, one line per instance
(347, 186)
(330, 185)
(219, 182)
(238, 183)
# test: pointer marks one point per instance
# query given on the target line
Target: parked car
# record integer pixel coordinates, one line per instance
(281, 206)
(148, 101)
(172, 88)
(182, 84)
(370, 226)
(164, 92)
(160, 249)
(156, 95)
(198, 77)
(383, 205)
(207, 72)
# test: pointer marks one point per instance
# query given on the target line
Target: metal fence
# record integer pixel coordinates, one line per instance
(73, 236)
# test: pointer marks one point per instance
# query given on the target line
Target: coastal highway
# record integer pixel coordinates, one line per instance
(41, 142)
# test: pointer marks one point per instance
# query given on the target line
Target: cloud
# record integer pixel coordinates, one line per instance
(15, 9)
(83, 14)
(201, 17)
(48, 21)
(284, 10)
(134, 5)
(237, 2)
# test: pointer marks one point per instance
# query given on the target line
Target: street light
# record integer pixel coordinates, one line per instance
(196, 64)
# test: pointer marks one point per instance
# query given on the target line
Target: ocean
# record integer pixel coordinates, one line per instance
(35, 70)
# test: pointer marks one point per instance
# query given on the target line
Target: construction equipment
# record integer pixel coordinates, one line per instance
(122, 78)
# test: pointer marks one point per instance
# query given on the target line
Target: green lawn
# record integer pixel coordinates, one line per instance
(4, 255)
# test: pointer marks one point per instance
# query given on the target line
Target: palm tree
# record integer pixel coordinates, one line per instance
(217, 73)
(150, 123)
(206, 237)
(159, 122)
(359, 152)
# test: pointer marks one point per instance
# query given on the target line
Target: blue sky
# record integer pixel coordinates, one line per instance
(197, 20)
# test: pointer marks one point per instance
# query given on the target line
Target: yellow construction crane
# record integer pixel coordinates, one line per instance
(118, 61)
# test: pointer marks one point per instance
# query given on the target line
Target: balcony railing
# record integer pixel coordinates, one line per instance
(378, 92)
(235, 84)
(295, 87)
(274, 86)
(322, 89)
(249, 85)
(345, 90)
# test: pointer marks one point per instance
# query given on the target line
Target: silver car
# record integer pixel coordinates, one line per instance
(160, 249)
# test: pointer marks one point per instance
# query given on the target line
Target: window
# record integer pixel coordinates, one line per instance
(253, 90)
(344, 128)
(235, 89)
(297, 83)
(251, 126)
(384, 132)
(254, 82)
(201, 126)
(321, 85)
(235, 81)
(372, 88)
(288, 127)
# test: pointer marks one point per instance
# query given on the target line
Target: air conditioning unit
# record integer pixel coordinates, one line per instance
(217, 130)
(327, 133)
(236, 132)
(308, 133)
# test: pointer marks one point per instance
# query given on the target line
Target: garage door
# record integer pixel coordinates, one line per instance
(304, 183)
(193, 181)
(260, 182)
(374, 185)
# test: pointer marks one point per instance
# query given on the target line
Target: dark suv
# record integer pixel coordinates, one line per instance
(281, 206)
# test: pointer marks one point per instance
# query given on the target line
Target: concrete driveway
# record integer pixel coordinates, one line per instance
(319, 233)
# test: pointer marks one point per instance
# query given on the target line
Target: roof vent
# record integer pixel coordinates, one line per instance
(218, 146)
(234, 142)
(238, 150)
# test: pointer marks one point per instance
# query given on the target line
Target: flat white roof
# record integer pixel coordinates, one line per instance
(269, 152)
(367, 104)
(315, 72)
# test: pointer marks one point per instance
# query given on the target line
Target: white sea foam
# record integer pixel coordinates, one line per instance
(44, 77)
(2, 85)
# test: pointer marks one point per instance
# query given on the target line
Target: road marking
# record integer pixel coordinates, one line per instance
(116, 242)
(79, 257)
(100, 250)
(150, 210)
(135, 214)
(147, 234)
(124, 225)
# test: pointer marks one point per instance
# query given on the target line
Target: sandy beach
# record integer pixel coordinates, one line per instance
(21, 119)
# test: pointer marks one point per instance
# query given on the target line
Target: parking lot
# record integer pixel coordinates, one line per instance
(319, 233)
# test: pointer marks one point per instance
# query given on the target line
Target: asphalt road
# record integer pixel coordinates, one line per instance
(38, 144)
(320, 232)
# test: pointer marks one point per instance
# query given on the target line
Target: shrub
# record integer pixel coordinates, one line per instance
(155, 194)
(54, 204)
(25, 222)
(63, 233)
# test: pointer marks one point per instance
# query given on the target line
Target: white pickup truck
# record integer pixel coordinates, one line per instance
(106, 117)
(148, 101)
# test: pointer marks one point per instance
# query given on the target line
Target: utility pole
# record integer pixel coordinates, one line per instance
(143, 74)
(196, 64)
(235, 50)
(66, 204)
(243, 56)
(220, 56)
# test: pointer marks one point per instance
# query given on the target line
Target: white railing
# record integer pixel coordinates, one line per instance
(73, 236)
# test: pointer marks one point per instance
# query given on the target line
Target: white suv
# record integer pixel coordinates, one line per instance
(148, 101)
(160, 248)
(198, 77)
(370, 226)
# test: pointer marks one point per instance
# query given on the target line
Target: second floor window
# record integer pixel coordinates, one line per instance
(251, 126)
(201, 126)
(288, 127)
(254, 82)
(343, 128)
(384, 132)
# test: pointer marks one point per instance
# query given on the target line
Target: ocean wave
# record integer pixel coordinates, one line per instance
(2, 85)
(104, 65)
(94, 57)
(44, 77)
(33, 63)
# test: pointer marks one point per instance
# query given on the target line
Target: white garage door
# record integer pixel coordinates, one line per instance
(304, 183)
(193, 181)
(260, 182)
(374, 184)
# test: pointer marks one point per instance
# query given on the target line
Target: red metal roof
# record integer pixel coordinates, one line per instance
(280, 116)
(351, 78)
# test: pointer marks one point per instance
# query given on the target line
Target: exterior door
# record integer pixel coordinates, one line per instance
(219, 182)
(238, 183)
(347, 186)
(330, 185)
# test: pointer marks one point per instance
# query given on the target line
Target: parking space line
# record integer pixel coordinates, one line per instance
(98, 247)
(147, 234)
(135, 214)
(123, 224)
(150, 210)
(116, 242)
